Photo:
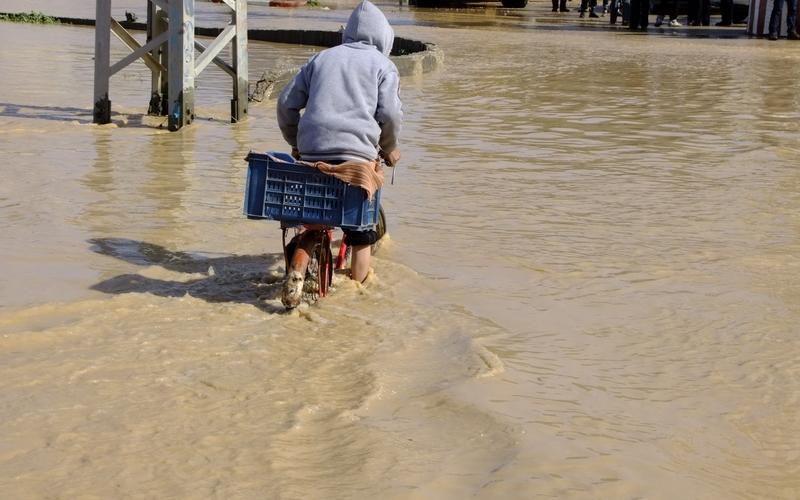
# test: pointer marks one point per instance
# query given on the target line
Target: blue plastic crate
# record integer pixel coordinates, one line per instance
(292, 193)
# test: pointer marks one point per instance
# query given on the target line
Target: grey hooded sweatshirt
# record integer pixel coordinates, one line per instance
(350, 94)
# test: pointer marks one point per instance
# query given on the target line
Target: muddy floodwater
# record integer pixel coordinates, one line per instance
(589, 289)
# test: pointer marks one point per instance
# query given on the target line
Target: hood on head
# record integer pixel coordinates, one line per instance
(368, 24)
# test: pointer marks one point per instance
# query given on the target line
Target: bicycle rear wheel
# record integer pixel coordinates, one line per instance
(380, 226)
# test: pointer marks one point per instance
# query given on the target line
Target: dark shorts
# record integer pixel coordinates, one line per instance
(360, 237)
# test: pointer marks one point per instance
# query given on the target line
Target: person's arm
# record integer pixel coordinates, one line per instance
(389, 115)
(293, 98)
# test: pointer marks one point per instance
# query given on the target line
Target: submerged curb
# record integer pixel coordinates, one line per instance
(412, 57)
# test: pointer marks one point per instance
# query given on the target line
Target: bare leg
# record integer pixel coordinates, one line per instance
(302, 254)
(359, 263)
(295, 275)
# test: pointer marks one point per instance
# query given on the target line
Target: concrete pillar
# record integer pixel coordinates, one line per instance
(156, 25)
(239, 56)
(102, 62)
(180, 73)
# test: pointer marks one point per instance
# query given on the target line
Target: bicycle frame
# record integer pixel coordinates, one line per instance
(321, 252)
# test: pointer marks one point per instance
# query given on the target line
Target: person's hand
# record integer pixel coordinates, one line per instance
(392, 158)
(295, 153)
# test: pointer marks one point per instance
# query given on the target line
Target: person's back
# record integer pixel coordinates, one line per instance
(350, 94)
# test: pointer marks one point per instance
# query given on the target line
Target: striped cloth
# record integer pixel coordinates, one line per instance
(366, 175)
(759, 14)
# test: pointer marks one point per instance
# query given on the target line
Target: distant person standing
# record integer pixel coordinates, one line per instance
(699, 13)
(726, 9)
(639, 16)
(591, 4)
(668, 8)
(791, 20)
(560, 6)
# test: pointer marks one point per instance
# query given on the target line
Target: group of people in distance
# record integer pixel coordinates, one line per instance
(791, 20)
(698, 14)
(586, 6)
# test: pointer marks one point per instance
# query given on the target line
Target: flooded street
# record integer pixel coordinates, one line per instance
(589, 289)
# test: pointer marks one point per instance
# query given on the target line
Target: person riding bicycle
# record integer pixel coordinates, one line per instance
(350, 95)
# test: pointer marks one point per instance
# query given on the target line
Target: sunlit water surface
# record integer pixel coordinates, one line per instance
(589, 288)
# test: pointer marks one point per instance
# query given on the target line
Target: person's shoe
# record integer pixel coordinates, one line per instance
(772, 36)
(292, 291)
(722, 23)
(659, 21)
(582, 14)
(555, 9)
(793, 35)
(564, 10)
(675, 24)
(592, 14)
(695, 23)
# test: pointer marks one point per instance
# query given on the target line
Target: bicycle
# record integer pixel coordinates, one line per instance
(313, 203)
(316, 242)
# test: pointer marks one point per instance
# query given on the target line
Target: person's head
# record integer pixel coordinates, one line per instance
(367, 24)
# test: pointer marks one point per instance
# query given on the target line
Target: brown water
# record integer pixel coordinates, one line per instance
(589, 290)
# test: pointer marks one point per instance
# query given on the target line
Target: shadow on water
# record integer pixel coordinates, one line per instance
(230, 278)
(70, 114)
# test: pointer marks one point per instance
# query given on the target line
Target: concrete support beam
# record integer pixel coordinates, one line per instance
(227, 68)
(139, 51)
(210, 52)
